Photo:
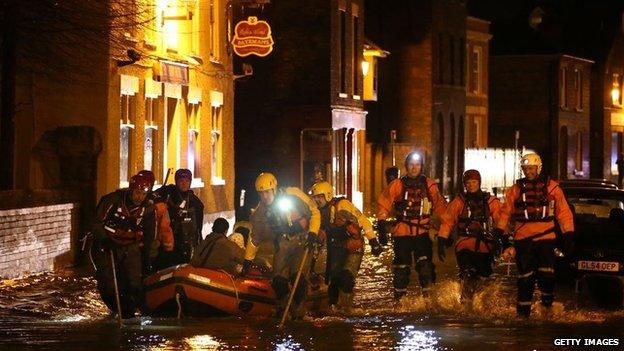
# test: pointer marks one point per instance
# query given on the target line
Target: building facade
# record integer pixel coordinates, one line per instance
(543, 100)
(156, 93)
(422, 94)
(477, 76)
(301, 114)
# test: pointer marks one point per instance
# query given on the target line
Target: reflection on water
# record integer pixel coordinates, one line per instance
(417, 340)
(63, 311)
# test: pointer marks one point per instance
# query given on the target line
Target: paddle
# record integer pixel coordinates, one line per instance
(120, 320)
(292, 291)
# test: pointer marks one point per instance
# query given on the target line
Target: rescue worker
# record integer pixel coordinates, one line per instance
(343, 225)
(216, 251)
(118, 233)
(158, 236)
(533, 203)
(186, 211)
(289, 218)
(474, 212)
(413, 198)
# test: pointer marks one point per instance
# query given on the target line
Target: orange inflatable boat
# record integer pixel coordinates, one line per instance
(203, 292)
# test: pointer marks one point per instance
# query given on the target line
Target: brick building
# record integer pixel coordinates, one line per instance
(142, 86)
(301, 112)
(422, 83)
(477, 77)
(545, 98)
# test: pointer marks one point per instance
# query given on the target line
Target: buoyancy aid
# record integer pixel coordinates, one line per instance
(124, 221)
(475, 219)
(533, 205)
(340, 231)
(414, 205)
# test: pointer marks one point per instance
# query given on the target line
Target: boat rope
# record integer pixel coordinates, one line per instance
(234, 285)
(179, 305)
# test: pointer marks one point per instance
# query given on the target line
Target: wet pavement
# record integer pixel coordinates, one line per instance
(62, 311)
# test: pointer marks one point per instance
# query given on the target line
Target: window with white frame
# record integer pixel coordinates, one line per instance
(129, 88)
(194, 142)
(216, 138)
(475, 70)
(563, 87)
(578, 88)
(149, 141)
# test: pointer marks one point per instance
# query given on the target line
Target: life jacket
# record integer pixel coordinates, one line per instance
(533, 205)
(291, 221)
(414, 205)
(340, 232)
(183, 218)
(124, 221)
(474, 219)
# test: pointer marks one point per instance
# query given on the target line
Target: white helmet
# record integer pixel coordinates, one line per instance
(532, 159)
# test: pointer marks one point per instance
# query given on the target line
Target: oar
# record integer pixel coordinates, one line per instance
(119, 319)
(292, 292)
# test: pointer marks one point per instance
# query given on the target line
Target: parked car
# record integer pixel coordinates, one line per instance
(587, 183)
(598, 257)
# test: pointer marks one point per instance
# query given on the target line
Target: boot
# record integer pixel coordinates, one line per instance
(346, 302)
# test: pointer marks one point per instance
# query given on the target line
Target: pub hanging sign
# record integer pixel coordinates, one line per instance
(252, 37)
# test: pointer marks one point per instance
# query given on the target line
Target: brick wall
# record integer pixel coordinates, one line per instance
(36, 239)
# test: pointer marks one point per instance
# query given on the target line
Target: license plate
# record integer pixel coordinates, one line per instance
(599, 266)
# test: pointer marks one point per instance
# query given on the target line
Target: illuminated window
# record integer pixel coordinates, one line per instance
(216, 138)
(151, 133)
(194, 147)
(127, 107)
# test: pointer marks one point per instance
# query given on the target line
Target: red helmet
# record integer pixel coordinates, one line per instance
(143, 180)
(183, 173)
(471, 174)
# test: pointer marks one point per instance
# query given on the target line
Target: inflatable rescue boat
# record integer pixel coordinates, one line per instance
(202, 292)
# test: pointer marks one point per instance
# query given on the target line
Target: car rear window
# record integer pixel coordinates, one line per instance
(600, 208)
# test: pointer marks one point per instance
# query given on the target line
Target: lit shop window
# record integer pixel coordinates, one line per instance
(194, 141)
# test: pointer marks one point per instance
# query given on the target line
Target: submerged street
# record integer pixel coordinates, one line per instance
(63, 311)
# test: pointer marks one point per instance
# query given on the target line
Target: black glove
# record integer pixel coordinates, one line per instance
(247, 265)
(568, 243)
(313, 239)
(376, 249)
(441, 248)
(382, 232)
(500, 237)
(400, 205)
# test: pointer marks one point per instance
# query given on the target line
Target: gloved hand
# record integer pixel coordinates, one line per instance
(400, 205)
(441, 248)
(376, 248)
(502, 238)
(247, 265)
(568, 243)
(382, 232)
(312, 240)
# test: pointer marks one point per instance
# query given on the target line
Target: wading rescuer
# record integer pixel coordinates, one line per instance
(289, 218)
(343, 225)
(186, 211)
(119, 228)
(533, 203)
(413, 198)
(474, 212)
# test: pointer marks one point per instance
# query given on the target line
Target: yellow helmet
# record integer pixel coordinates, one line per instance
(323, 188)
(266, 181)
(532, 159)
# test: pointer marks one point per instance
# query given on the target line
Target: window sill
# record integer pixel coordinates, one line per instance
(343, 95)
(123, 185)
(197, 183)
(217, 181)
(356, 97)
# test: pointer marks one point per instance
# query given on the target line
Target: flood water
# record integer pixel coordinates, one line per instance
(62, 311)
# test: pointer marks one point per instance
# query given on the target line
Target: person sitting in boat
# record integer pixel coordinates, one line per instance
(216, 251)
